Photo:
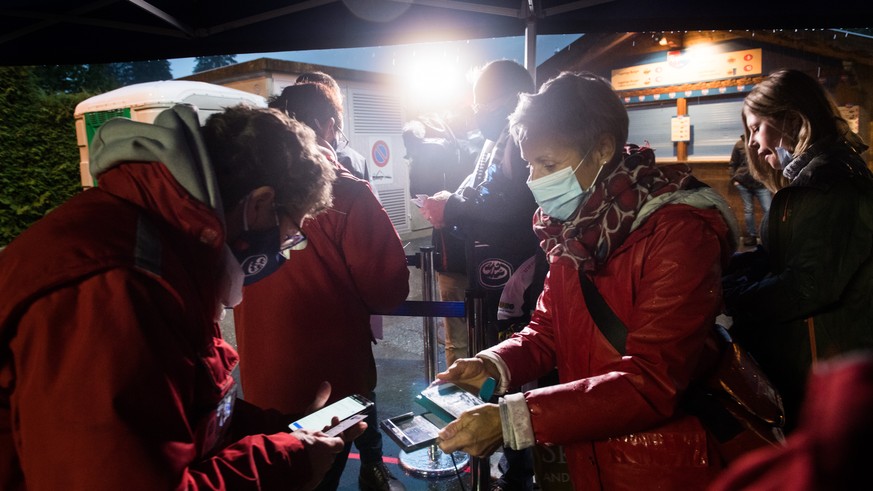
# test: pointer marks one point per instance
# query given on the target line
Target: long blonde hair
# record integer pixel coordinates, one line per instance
(800, 104)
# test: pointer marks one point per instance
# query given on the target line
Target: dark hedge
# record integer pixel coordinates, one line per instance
(39, 159)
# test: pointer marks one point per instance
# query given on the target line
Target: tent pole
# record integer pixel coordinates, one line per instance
(530, 42)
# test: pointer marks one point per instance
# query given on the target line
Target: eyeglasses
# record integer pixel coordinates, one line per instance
(341, 141)
(294, 242)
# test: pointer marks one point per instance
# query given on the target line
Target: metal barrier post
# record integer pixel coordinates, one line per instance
(430, 461)
(475, 300)
(428, 283)
(480, 468)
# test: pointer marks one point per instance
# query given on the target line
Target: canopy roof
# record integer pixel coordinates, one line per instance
(38, 32)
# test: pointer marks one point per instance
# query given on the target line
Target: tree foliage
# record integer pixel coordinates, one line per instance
(39, 158)
(71, 79)
(96, 79)
(203, 63)
(136, 72)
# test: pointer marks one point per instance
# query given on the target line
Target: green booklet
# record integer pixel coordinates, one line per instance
(447, 400)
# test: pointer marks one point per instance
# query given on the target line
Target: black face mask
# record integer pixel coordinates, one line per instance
(491, 123)
(258, 253)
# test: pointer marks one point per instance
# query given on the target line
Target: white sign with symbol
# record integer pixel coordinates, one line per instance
(380, 156)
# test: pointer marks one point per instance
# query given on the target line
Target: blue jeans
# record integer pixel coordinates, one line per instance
(764, 198)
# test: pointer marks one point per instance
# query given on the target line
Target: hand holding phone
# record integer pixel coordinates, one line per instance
(321, 451)
(447, 401)
(419, 200)
(348, 410)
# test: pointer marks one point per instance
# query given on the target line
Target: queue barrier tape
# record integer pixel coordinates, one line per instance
(421, 308)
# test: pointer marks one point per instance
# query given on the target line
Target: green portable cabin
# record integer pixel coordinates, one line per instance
(143, 102)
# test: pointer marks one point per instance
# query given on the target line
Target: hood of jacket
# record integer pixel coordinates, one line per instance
(700, 198)
(174, 139)
(179, 184)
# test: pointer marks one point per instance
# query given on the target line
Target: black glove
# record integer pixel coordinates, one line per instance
(507, 327)
(753, 264)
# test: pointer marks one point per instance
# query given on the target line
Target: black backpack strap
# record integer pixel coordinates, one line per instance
(612, 328)
(367, 172)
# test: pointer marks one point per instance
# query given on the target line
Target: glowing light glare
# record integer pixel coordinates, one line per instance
(433, 82)
(700, 53)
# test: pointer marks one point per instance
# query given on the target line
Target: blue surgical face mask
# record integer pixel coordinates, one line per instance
(784, 155)
(559, 194)
(257, 252)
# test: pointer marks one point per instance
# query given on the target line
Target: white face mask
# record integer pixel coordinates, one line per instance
(560, 194)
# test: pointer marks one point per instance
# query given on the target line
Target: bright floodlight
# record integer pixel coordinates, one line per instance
(433, 83)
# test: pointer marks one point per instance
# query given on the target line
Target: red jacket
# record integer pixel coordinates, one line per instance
(353, 265)
(829, 449)
(113, 373)
(617, 416)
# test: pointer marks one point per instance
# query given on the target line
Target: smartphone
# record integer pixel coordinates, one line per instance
(418, 200)
(410, 431)
(349, 410)
(447, 400)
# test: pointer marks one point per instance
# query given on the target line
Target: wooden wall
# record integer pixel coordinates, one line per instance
(717, 175)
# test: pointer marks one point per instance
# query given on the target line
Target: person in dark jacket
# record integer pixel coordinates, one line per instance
(491, 212)
(806, 295)
(492, 209)
(113, 372)
(750, 190)
(439, 158)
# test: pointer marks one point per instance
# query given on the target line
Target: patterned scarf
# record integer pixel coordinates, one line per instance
(604, 220)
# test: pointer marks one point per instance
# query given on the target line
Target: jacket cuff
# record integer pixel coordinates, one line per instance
(249, 419)
(502, 369)
(452, 211)
(515, 420)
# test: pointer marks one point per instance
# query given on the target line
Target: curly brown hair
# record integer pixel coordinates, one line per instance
(254, 147)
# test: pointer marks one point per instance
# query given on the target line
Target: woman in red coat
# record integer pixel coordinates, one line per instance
(652, 240)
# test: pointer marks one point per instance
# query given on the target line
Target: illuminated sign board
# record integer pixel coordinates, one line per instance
(689, 66)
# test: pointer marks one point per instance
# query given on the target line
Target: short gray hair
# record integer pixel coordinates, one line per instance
(575, 108)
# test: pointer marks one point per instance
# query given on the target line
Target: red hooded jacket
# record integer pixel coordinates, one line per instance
(113, 373)
(617, 416)
(353, 265)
